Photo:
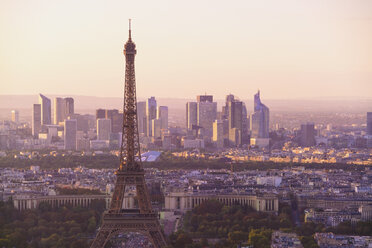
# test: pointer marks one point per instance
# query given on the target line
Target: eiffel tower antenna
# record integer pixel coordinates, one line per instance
(130, 173)
(130, 29)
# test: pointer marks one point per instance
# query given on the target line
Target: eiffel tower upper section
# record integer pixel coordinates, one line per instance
(130, 155)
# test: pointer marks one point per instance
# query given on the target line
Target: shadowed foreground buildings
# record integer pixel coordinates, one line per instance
(24, 202)
(185, 201)
(331, 240)
(174, 201)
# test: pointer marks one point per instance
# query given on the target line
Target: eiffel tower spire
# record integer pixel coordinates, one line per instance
(130, 155)
(130, 172)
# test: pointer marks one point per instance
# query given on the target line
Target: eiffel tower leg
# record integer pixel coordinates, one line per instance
(101, 239)
(157, 238)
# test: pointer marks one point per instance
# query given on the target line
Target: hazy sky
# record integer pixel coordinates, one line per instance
(287, 49)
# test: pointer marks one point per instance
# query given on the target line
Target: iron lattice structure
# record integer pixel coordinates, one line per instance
(130, 173)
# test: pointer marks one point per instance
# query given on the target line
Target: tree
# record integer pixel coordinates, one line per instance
(180, 239)
(308, 242)
(92, 224)
(204, 242)
(237, 237)
(209, 207)
(260, 238)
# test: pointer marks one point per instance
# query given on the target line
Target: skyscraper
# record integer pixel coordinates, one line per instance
(141, 115)
(100, 114)
(204, 98)
(82, 121)
(206, 114)
(156, 127)
(63, 107)
(15, 116)
(225, 109)
(150, 114)
(103, 129)
(369, 123)
(191, 115)
(59, 110)
(218, 133)
(70, 128)
(69, 106)
(307, 138)
(369, 129)
(116, 120)
(259, 123)
(36, 120)
(46, 110)
(235, 110)
(245, 125)
(162, 114)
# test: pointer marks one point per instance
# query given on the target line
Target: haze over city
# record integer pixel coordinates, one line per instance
(288, 49)
(174, 124)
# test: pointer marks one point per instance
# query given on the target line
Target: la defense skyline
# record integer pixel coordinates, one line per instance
(232, 127)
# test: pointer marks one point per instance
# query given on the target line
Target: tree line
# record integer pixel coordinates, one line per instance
(44, 227)
(166, 162)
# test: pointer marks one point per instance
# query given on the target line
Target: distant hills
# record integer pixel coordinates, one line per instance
(90, 103)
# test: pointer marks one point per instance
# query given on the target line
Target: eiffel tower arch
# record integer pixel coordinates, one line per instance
(117, 219)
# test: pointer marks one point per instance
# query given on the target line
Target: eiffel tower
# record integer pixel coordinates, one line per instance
(144, 219)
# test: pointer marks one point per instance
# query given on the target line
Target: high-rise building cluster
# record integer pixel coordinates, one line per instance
(228, 128)
(71, 131)
(63, 127)
(207, 125)
(153, 123)
(66, 130)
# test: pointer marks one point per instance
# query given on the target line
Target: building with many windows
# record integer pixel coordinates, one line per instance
(103, 129)
(218, 137)
(70, 129)
(36, 120)
(259, 123)
(185, 201)
(162, 114)
(307, 136)
(369, 129)
(141, 116)
(191, 115)
(15, 116)
(150, 114)
(206, 115)
(46, 110)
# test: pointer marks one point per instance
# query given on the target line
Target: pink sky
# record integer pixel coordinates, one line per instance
(287, 49)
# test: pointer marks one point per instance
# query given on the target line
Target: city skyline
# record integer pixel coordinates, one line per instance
(219, 170)
(287, 50)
